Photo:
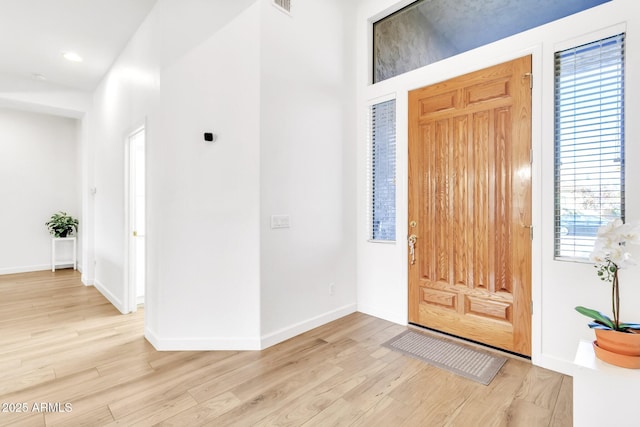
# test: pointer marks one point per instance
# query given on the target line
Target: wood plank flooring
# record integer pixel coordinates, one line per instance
(62, 343)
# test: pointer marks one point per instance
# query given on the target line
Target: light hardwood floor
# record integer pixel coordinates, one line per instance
(62, 342)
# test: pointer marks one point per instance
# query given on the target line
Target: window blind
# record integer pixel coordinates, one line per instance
(589, 143)
(383, 171)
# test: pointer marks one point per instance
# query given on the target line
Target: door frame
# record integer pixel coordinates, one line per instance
(130, 294)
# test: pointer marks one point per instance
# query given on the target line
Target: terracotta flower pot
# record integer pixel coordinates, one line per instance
(622, 360)
(618, 342)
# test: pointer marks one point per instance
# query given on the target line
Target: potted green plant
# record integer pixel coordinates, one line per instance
(616, 342)
(62, 225)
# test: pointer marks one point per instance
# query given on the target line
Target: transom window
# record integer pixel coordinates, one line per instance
(427, 31)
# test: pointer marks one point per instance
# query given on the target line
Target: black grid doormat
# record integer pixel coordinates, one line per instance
(462, 360)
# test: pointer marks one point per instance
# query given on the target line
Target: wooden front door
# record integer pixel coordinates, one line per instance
(470, 206)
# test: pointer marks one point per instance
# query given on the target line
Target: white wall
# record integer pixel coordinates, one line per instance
(127, 96)
(557, 286)
(40, 176)
(183, 74)
(217, 276)
(51, 99)
(206, 203)
(307, 166)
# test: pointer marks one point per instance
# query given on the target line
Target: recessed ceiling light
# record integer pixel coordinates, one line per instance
(72, 56)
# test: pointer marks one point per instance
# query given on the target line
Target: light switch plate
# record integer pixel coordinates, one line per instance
(280, 221)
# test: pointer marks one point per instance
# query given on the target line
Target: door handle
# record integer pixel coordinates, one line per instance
(412, 247)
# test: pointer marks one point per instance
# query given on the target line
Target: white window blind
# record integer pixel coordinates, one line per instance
(383, 171)
(589, 143)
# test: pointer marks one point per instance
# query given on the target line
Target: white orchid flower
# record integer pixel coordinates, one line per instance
(611, 242)
(610, 255)
(611, 226)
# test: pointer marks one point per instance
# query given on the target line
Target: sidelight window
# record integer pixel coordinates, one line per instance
(589, 143)
(382, 169)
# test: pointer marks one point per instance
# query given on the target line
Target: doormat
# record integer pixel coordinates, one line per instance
(461, 360)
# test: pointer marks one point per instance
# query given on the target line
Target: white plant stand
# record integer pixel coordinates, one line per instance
(54, 241)
(603, 394)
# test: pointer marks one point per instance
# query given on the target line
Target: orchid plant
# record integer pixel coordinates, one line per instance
(610, 255)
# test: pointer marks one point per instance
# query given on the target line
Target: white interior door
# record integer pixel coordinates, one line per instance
(136, 218)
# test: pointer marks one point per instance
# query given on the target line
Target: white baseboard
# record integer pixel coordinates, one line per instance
(383, 314)
(152, 338)
(200, 344)
(304, 326)
(243, 344)
(86, 281)
(25, 269)
(117, 303)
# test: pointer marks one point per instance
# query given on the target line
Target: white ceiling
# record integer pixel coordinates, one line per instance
(34, 33)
